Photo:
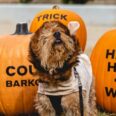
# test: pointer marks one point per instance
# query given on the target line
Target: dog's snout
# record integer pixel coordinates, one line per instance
(57, 34)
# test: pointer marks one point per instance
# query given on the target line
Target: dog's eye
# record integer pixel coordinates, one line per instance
(46, 29)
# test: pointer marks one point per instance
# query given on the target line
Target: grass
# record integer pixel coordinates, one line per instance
(101, 112)
(106, 114)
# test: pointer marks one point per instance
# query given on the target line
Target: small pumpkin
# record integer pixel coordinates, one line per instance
(64, 17)
(17, 85)
(103, 60)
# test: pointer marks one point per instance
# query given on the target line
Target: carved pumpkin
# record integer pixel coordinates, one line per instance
(103, 60)
(17, 85)
(63, 16)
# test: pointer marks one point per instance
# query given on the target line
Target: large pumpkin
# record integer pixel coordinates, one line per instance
(17, 85)
(63, 16)
(103, 60)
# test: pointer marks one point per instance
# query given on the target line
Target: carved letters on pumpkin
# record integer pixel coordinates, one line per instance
(112, 55)
(110, 92)
(21, 70)
(22, 83)
(52, 16)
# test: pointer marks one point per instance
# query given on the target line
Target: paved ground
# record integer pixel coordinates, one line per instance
(94, 33)
(101, 2)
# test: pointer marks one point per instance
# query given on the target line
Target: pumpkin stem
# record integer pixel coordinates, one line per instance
(55, 7)
(22, 29)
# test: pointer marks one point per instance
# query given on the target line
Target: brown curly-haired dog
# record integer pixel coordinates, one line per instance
(54, 52)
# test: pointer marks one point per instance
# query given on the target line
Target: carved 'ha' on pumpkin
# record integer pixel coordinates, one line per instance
(17, 85)
(64, 17)
(103, 60)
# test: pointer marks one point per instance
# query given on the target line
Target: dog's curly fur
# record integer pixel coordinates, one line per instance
(53, 63)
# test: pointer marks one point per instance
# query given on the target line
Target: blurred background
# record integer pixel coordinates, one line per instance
(98, 15)
(61, 1)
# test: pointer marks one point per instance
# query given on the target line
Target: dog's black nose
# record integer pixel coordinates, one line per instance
(57, 36)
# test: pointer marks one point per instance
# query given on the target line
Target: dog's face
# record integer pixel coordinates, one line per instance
(53, 46)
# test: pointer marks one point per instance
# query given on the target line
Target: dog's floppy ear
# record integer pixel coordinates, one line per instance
(73, 26)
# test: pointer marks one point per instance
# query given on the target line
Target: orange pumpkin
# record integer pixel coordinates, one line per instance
(103, 60)
(63, 16)
(17, 85)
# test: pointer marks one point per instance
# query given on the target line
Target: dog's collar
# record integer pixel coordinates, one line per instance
(58, 70)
